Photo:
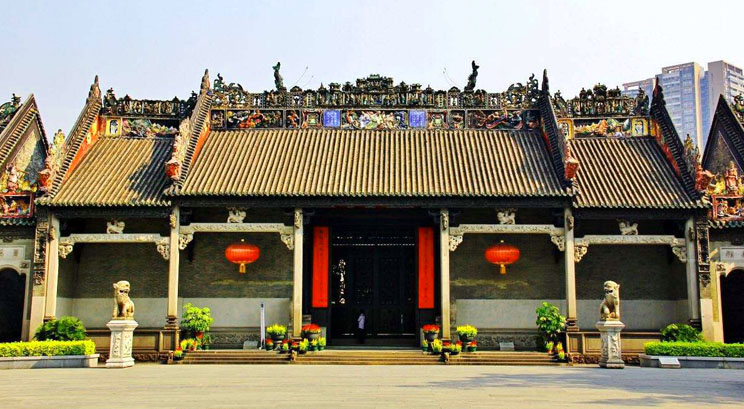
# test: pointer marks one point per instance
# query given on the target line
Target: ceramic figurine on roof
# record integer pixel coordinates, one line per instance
(472, 77)
(278, 81)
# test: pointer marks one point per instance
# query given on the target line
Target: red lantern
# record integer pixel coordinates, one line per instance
(242, 253)
(502, 254)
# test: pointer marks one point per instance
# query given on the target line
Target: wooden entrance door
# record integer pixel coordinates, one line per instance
(377, 277)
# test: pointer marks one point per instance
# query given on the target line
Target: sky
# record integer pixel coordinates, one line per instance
(158, 50)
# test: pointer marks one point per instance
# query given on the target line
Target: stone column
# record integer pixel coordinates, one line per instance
(611, 357)
(570, 268)
(120, 347)
(693, 297)
(52, 269)
(444, 268)
(173, 263)
(297, 287)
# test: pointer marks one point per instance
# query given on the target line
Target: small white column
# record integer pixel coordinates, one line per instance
(297, 287)
(570, 269)
(52, 269)
(693, 297)
(120, 348)
(611, 357)
(173, 266)
(444, 268)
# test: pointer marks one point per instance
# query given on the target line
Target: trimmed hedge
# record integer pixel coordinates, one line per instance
(713, 349)
(47, 348)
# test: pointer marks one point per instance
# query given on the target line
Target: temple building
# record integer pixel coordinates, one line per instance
(23, 150)
(376, 197)
(722, 279)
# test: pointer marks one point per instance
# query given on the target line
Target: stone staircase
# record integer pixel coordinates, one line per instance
(366, 357)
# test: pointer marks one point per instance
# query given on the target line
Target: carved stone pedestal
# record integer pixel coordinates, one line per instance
(120, 352)
(611, 350)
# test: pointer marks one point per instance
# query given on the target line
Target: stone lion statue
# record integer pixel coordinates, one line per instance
(123, 305)
(609, 310)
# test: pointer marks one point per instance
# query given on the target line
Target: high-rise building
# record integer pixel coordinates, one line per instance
(724, 79)
(631, 88)
(691, 94)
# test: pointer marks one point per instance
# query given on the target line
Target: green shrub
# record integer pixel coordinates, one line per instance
(467, 330)
(681, 333)
(549, 322)
(196, 319)
(711, 349)
(64, 329)
(47, 348)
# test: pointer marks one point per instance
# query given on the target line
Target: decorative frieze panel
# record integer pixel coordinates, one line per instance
(556, 233)
(187, 232)
(66, 244)
(678, 245)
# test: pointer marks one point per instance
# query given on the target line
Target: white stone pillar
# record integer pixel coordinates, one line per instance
(173, 266)
(297, 287)
(570, 269)
(444, 269)
(120, 348)
(693, 297)
(612, 354)
(52, 269)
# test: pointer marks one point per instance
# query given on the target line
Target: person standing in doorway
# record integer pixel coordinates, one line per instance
(361, 321)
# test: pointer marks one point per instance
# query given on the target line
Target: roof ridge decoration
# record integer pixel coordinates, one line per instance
(8, 110)
(599, 111)
(564, 163)
(667, 138)
(375, 102)
(191, 130)
(85, 129)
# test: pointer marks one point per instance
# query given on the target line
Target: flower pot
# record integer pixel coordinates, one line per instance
(312, 336)
(303, 352)
(472, 349)
(454, 352)
(277, 338)
(430, 336)
(465, 339)
(321, 348)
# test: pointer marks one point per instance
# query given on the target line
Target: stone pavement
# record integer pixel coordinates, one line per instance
(286, 386)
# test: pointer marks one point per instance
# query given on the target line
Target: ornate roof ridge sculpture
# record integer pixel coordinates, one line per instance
(737, 106)
(8, 110)
(150, 108)
(375, 102)
(599, 101)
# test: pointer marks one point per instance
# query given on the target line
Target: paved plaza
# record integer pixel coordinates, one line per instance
(285, 386)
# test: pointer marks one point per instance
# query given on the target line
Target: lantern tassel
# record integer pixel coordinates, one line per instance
(242, 268)
(503, 269)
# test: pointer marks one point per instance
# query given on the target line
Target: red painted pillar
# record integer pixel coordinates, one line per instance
(425, 267)
(320, 267)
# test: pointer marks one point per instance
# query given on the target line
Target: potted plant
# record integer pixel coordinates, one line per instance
(178, 354)
(269, 345)
(436, 346)
(188, 344)
(424, 346)
(311, 331)
(549, 346)
(321, 343)
(446, 346)
(550, 323)
(466, 333)
(196, 320)
(456, 348)
(431, 331)
(276, 332)
(472, 346)
(285, 347)
(314, 345)
(303, 346)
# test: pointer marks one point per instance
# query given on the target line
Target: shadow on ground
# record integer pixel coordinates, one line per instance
(660, 386)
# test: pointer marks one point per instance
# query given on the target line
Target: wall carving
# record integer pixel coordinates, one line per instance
(678, 245)
(66, 244)
(556, 233)
(186, 233)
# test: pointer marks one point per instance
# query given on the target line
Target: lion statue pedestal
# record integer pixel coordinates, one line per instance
(122, 327)
(609, 327)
